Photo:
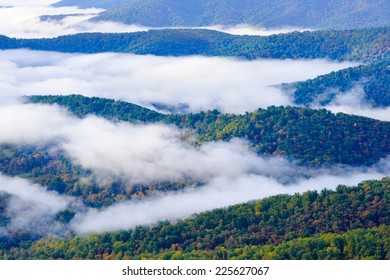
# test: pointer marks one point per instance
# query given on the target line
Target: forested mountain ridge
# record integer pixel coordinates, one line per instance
(241, 231)
(265, 13)
(362, 45)
(314, 138)
(311, 136)
(372, 81)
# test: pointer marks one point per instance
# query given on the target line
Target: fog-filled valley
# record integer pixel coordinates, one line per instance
(221, 140)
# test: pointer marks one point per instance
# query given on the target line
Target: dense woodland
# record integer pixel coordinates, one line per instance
(363, 45)
(358, 244)
(348, 223)
(372, 79)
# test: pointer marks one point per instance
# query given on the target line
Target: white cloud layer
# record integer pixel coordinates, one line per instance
(353, 102)
(31, 207)
(52, 202)
(21, 19)
(202, 83)
(220, 192)
(245, 29)
(141, 153)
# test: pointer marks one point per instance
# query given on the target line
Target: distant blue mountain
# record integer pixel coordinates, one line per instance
(324, 14)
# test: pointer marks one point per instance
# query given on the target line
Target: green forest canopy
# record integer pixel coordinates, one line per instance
(313, 225)
(363, 45)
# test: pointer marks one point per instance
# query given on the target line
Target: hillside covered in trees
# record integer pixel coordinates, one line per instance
(265, 13)
(348, 223)
(373, 79)
(307, 135)
(362, 45)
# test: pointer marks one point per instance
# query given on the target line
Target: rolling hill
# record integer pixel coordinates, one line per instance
(348, 223)
(363, 45)
(307, 135)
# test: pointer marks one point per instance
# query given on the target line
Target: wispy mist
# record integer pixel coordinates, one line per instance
(220, 192)
(245, 29)
(140, 153)
(353, 102)
(31, 208)
(22, 19)
(202, 83)
(230, 172)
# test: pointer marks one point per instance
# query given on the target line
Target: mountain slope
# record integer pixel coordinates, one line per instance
(310, 136)
(266, 13)
(270, 221)
(371, 83)
(373, 244)
(364, 45)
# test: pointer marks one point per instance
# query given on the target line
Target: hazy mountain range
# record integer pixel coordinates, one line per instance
(321, 14)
